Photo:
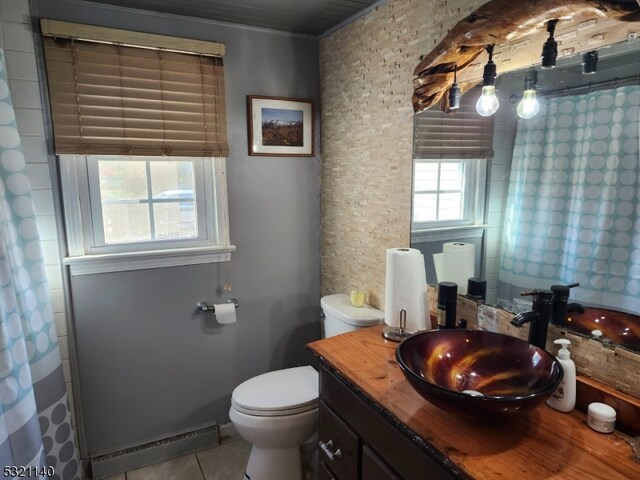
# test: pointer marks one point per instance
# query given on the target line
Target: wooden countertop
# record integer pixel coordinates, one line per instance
(541, 444)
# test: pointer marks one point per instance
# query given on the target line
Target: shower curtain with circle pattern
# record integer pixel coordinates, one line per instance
(36, 436)
(573, 207)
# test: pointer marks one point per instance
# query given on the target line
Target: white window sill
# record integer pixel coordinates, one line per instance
(446, 233)
(121, 262)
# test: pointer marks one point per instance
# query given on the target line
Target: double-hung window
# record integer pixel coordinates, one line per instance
(140, 133)
(146, 200)
(450, 163)
(144, 204)
(445, 192)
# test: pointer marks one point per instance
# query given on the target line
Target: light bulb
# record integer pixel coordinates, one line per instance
(529, 105)
(488, 102)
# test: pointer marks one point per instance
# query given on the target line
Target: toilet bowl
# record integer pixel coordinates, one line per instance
(277, 412)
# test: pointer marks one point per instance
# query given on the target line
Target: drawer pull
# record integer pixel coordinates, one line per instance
(326, 448)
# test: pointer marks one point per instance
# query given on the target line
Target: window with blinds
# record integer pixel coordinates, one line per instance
(140, 133)
(450, 155)
(109, 99)
(460, 134)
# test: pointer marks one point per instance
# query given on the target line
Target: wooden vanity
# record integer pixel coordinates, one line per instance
(386, 430)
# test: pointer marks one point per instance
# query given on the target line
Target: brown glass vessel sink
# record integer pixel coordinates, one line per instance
(478, 374)
(619, 328)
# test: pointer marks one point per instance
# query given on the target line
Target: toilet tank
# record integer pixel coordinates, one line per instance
(341, 317)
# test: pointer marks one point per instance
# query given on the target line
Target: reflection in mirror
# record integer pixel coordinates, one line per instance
(562, 198)
(451, 153)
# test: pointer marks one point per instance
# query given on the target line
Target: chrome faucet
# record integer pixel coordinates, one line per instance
(560, 303)
(538, 317)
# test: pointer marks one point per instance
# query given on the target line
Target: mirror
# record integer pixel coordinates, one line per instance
(553, 213)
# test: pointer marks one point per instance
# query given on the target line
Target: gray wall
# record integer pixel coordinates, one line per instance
(149, 365)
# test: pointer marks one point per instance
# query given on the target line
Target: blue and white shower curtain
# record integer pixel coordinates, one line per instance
(573, 207)
(36, 437)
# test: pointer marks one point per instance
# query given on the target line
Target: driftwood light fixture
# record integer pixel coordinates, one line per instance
(500, 22)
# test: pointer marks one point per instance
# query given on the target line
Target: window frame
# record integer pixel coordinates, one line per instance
(203, 198)
(475, 175)
(86, 256)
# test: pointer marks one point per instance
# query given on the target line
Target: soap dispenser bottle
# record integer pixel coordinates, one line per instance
(563, 398)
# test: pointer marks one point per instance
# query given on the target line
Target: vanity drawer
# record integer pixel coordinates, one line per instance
(403, 455)
(374, 468)
(339, 445)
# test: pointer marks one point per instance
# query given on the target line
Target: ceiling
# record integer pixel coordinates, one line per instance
(312, 17)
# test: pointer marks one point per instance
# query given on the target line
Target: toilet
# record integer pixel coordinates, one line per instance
(277, 412)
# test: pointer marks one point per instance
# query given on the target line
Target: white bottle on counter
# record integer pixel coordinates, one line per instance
(563, 398)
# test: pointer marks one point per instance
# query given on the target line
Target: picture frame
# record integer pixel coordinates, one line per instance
(280, 126)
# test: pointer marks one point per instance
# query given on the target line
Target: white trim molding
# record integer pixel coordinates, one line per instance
(122, 262)
(56, 28)
(447, 233)
(87, 256)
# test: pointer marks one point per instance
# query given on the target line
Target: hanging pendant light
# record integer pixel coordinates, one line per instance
(488, 103)
(529, 105)
(550, 47)
(454, 92)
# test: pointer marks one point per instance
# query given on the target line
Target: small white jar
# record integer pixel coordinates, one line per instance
(601, 417)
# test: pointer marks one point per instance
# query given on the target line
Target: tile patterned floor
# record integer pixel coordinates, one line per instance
(224, 462)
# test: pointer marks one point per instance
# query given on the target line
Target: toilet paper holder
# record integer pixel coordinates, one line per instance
(203, 306)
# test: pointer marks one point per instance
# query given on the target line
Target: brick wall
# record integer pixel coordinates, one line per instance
(366, 72)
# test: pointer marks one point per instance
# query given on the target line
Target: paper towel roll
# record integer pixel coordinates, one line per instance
(406, 289)
(456, 263)
(225, 313)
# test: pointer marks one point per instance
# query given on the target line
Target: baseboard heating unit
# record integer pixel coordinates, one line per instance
(153, 452)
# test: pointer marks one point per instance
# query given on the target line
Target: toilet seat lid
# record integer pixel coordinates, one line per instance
(282, 392)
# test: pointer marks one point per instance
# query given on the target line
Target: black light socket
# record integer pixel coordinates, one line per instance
(590, 62)
(490, 70)
(455, 94)
(550, 47)
(531, 80)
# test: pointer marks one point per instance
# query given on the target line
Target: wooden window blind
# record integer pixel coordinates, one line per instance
(111, 99)
(458, 135)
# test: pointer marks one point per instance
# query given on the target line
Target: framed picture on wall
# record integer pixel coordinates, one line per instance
(280, 127)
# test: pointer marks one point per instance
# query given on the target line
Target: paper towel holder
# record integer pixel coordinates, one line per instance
(203, 306)
(397, 334)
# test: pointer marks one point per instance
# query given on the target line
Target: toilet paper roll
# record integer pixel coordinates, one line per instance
(406, 289)
(456, 264)
(225, 313)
